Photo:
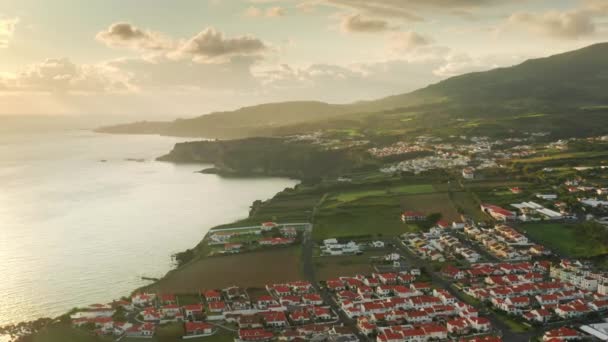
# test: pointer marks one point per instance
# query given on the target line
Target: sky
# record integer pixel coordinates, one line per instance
(153, 59)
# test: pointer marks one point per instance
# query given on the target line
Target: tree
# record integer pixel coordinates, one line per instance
(120, 315)
(184, 257)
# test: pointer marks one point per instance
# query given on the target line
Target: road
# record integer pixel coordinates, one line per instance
(436, 279)
(308, 269)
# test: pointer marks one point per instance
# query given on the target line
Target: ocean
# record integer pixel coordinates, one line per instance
(83, 216)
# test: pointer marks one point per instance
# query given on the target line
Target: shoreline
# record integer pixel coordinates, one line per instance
(31, 327)
(53, 315)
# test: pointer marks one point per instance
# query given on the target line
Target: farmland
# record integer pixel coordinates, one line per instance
(431, 203)
(329, 267)
(64, 332)
(564, 239)
(247, 270)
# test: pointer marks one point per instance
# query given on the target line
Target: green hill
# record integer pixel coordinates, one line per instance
(547, 92)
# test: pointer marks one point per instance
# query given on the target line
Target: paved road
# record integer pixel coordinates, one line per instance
(415, 261)
(308, 270)
(476, 247)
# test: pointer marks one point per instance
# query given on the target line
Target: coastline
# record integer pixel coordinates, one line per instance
(33, 326)
(24, 326)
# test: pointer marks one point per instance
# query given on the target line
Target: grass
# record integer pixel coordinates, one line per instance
(328, 267)
(64, 332)
(413, 189)
(355, 195)
(374, 209)
(467, 204)
(173, 333)
(564, 239)
(350, 196)
(370, 216)
(431, 203)
(287, 206)
(563, 157)
(514, 326)
(246, 270)
(188, 299)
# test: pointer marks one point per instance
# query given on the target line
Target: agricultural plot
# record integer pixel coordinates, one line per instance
(431, 203)
(350, 196)
(65, 332)
(564, 239)
(253, 269)
(334, 266)
(467, 204)
(365, 217)
(284, 207)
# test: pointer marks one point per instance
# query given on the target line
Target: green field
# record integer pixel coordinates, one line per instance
(413, 189)
(246, 270)
(349, 196)
(287, 206)
(431, 203)
(64, 332)
(375, 209)
(370, 216)
(564, 239)
(467, 204)
(327, 267)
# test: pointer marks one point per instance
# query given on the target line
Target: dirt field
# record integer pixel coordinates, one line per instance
(328, 267)
(246, 270)
(431, 203)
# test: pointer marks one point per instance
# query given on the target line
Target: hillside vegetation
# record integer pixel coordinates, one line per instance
(552, 92)
(269, 157)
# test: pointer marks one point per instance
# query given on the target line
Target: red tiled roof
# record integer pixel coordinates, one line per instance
(197, 326)
(211, 294)
(254, 334)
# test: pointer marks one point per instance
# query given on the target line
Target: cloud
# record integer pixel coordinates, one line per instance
(125, 35)
(405, 9)
(276, 12)
(596, 7)
(407, 41)
(563, 25)
(272, 12)
(211, 46)
(7, 30)
(207, 46)
(346, 83)
(62, 76)
(186, 76)
(462, 63)
(359, 24)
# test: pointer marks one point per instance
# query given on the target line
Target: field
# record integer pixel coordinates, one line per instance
(564, 158)
(361, 192)
(467, 204)
(327, 267)
(564, 239)
(431, 203)
(62, 333)
(374, 209)
(287, 206)
(247, 270)
(331, 267)
(396, 190)
(370, 216)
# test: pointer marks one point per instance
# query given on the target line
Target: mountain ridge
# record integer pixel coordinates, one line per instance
(565, 81)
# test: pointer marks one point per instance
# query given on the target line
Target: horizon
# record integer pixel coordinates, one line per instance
(314, 170)
(208, 56)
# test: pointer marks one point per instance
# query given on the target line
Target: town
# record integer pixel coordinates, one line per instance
(463, 255)
(497, 276)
